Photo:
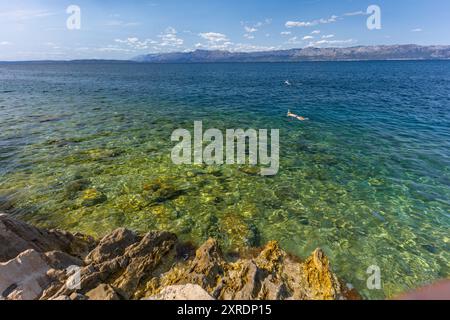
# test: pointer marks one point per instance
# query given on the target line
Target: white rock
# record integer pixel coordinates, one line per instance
(24, 277)
(182, 292)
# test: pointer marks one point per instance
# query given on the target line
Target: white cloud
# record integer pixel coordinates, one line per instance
(328, 36)
(120, 23)
(417, 30)
(256, 25)
(214, 37)
(316, 32)
(171, 30)
(285, 33)
(113, 49)
(170, 39)
(5, 43)
(218, 41)
(20, 15)
(135, 43)
(355, 13)
(244, 47)
(53, 45)
(292, 24)
(293, 40)
(250, 29)
(308, 37)
(331, 43)
(215, 41)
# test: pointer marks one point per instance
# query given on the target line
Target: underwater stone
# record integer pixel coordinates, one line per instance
(73, 187)
(250, 170)
(160, 191)
(102, 154)
(92, 197)
(430, 248)
(214, 171)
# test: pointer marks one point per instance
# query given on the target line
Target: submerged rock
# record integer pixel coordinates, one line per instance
(160, 191)
(74, 187)
(250, 170)
(102, 154)
(92, 197)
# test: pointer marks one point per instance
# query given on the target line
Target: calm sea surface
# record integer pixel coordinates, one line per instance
(86, 147)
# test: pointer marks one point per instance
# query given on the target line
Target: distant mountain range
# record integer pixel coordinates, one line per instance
(391, 52)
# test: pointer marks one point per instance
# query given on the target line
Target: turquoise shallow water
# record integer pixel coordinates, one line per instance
(86, 147)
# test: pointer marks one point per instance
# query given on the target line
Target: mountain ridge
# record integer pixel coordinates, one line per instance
(381, 52)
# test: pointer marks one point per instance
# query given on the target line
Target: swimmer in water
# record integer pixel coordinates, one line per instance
(292, 115)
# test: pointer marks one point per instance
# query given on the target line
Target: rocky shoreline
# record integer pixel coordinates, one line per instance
(38, 264)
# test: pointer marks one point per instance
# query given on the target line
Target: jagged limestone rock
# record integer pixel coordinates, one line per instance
(124, 265)
(124, 269)
(272, 275)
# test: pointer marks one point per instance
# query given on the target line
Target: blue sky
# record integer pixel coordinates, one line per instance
(36, 29)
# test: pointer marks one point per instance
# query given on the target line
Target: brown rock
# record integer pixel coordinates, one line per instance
(129, 266)
(112, 246)
(143, 258)
(102, 292)
(77, 296)
(272, 275)
(125, 272)
(17, 237)
(60, 260)
(322, 282)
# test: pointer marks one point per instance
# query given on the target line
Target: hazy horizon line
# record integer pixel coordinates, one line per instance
(131, 59)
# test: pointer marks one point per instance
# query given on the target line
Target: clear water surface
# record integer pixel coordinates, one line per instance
(86, 147)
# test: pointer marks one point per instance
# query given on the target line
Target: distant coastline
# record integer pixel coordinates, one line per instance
(408, 52)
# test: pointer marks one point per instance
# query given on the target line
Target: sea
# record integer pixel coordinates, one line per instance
(86, 147)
